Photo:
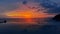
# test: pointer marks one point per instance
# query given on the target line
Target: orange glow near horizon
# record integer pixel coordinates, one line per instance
(26, 14)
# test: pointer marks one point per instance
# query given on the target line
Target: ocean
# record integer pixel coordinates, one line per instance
(30, 26)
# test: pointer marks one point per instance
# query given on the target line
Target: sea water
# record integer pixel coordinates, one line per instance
(30, 26)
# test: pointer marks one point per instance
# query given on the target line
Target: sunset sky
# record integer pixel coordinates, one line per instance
(29, 8)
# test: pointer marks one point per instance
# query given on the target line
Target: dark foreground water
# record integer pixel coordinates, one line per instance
(30, 26)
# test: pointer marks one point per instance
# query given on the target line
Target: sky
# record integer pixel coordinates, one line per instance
(29, 8)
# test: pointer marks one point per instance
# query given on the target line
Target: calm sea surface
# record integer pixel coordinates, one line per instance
(30, 26)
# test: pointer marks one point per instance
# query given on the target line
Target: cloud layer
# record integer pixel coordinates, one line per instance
(45, 6)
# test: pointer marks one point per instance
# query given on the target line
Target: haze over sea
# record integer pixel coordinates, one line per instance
(31, 26)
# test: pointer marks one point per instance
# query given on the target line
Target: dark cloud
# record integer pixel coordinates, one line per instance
(54, 10)
(24, 2)
(51, 7)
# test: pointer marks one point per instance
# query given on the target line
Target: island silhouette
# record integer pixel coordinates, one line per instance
(3, 21)
(57, 17)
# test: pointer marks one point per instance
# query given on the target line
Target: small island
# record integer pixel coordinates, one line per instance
(2, 21)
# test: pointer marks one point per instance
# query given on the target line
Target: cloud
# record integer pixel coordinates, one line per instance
(24, 2)
(44, 6)
(52, 7)
(7, 5)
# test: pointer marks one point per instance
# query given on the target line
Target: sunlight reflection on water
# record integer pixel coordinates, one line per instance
(28, 21)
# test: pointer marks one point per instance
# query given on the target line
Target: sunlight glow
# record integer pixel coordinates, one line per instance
(27, 14)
